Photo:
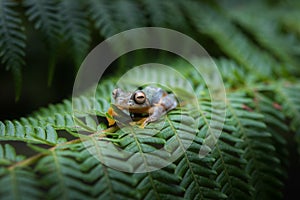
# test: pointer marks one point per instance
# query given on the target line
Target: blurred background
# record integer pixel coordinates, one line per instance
(57, 35)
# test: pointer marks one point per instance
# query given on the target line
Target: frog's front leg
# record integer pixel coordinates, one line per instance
(154, 114)
(165, 104)
(169, 102)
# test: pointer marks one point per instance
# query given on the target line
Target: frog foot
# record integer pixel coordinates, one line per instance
(142, 122)
(109, 118)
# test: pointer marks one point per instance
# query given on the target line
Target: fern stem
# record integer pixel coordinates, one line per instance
(33, 159)
(186, 158)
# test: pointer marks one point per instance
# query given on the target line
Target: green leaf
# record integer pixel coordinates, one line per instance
(74, 28)
(8, 155)
(19, 183)
(12, 41)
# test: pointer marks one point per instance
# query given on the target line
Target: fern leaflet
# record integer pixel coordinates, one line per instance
(12, 41)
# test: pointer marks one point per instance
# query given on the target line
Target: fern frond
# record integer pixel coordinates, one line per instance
(12, 41)
(15, 130)
(158, 15)
(266, 30)
(61, 175)
(161, 184)
(19, 183)
(61, 116)
(276, 125)
(44, 16)
(8, 155)
(198, 175)
(128, 15)
(74, 28)
(98, 102)
(233, 75)
(228, 164)
(112, 18)
(231, 40)
(42, 126)
(101, 13)
(107, 183)
(289, 99)
(51, 110)
(259, 151)
(161, 13)
(233, 179)
(12, 36)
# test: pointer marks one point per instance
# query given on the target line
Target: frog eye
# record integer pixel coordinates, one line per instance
(139, 97)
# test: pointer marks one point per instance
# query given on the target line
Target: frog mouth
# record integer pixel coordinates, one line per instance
(137, 110)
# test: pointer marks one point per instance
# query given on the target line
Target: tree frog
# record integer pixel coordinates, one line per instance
(151, 101)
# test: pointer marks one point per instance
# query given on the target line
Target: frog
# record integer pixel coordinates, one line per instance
(152, 102)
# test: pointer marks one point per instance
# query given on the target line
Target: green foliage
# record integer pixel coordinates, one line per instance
(75, 157)
(42, 14)
(12, 42)
(75, 28)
